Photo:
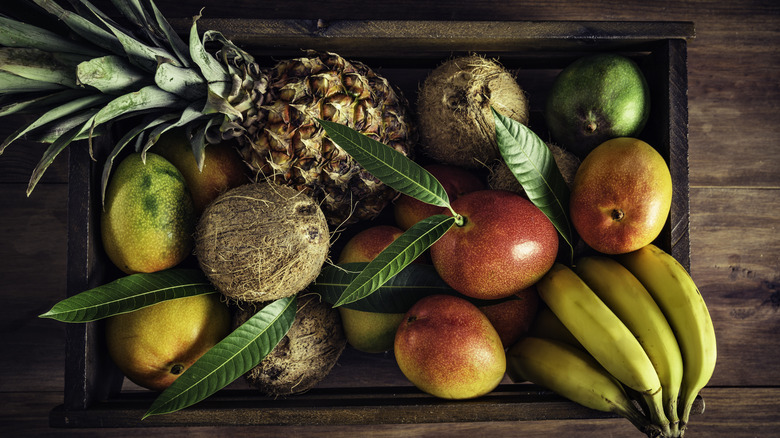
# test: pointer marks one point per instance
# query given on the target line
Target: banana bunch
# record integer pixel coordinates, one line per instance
(632, 327)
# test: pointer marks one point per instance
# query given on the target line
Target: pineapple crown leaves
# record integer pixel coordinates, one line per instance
(107, 73)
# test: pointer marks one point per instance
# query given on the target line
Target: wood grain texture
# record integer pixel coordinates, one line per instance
(734, 97)
(731, 412)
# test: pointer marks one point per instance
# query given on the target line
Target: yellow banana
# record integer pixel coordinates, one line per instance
(601, 333)
(572, 373)
(678, 297)
(625, 295)
(547, 325)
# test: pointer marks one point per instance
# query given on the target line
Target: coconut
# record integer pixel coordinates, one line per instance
(305, 355)
(455, 120)
(501, 178)
(261, 242)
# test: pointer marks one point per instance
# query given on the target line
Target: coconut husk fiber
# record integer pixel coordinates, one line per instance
(261, 242)
(456, 123)
(305, 355)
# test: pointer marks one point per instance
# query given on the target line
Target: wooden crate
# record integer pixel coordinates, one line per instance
(363, 388)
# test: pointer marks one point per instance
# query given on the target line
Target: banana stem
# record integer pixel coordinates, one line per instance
(639, 421)
(656, 412)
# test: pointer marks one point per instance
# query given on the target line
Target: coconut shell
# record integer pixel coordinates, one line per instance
(305, 355)
(501, 178)
(456, 123)
(261, 242)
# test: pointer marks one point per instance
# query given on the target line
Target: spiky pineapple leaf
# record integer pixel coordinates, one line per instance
(130, 293)
(54, 149)
(56, 114)
(15, 33)
(532, 163)
(83, 27)
(111, 75)
(388, 165)
(231, 358)
(393, 259)
(177, 45)
(397, 295)
(211, 69)
(37, 65)
(140, 54)
(17, 84)
(183, 82)
(38, 103)
(189, 115)
(149, 97)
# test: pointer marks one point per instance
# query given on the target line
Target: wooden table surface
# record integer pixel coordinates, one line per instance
(734, 112)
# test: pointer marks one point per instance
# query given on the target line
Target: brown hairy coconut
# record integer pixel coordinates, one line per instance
(262, 241)
(501, 178)
(305, 355)
(455, 121)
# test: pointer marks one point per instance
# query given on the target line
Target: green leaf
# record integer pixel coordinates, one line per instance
(83, 27)
(11, 83)
(209, 66)
(40, 66)
(149, 97)
(189, 115)
(111, 75)
(397, 295)
(388, 165)
(53, 151)
(231, 358)
(138, 53)
(130, 293)
(532, 163)
(55, 115)
(403, 251)
(18, 34)
(177, 45)
(40, 103)
(183, 82)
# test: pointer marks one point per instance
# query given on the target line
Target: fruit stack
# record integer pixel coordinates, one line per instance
(506, 254)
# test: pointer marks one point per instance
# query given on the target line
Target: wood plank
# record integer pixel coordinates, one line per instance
(34, 235)
(20, 157)
(729, 413)
(735, 255)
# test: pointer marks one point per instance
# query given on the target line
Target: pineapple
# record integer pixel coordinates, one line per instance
(149, 76)
(289, 145)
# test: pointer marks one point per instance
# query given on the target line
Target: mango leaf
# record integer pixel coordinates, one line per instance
(393, 259)
(130, 293)
(388, 165)
(532, 163)
(397, 295)
(231, 358)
